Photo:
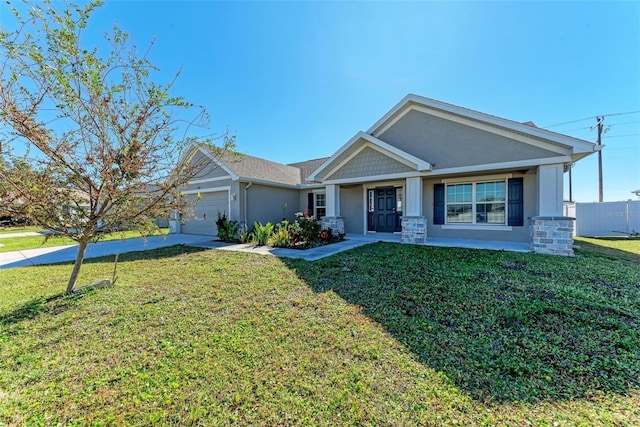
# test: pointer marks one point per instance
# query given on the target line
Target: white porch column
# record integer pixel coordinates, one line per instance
(333, 220)
(333, 200)
(413, 197)
(414, 224)
(550, 232)
(550, 187)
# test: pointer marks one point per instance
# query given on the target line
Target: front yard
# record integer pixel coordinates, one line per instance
(385, 334)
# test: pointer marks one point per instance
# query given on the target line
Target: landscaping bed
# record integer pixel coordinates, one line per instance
(304, 233)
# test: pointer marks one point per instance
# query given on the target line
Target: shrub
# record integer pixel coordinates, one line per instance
(326, 236)
(226, 229)
(309, 229)
(282, 238)
(246, 235)
(262, 233)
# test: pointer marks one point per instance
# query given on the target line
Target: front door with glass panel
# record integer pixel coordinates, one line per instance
(385, 209)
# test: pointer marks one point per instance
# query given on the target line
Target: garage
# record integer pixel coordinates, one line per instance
(206, 212)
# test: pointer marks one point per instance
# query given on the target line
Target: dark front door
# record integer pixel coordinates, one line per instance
(385, 210)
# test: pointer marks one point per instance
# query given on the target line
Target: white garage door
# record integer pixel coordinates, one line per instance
(206, 213)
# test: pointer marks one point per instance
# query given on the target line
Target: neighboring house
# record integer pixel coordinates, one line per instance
(426, 168)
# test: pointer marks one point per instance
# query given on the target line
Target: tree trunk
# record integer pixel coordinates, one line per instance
(76, 268)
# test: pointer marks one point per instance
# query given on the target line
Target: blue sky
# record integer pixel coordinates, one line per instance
(296, 80)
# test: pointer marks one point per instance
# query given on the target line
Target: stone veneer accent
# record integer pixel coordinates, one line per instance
(552, 235)
(335, 223)
(414, 230)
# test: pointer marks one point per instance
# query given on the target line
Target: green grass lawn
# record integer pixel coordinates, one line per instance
(385, 334)
(34, 242)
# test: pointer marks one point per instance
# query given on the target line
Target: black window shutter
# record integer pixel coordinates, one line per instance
(438, 204)
(516, 209)
(310, 203)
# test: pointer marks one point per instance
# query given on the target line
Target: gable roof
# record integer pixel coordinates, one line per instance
(250, 168)
(561, 148)
(541, 143)
(579, 148)
(356, 144)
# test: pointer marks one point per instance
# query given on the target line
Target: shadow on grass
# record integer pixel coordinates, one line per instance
(505, 327)
(159, 253)
(59, 302)
(33, 308)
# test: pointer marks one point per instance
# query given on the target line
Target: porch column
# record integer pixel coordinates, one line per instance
(414, 224)
(333, 200)
(333, 220)
(550, 187)
(550, 232)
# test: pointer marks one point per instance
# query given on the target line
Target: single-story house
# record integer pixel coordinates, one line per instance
(426, 168)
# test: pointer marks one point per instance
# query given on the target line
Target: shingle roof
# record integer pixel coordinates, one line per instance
(308, 167)
(250, 167)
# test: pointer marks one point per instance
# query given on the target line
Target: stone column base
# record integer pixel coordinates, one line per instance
(552, 235)
(414, 230)
(335, 223)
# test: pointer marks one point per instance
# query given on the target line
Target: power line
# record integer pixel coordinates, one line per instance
(571, 130)
(591, 118)
(567, 123)
(622, 114)
(624, 123)
(620, 136)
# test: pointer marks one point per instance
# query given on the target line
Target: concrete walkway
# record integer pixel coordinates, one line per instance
(68, 253)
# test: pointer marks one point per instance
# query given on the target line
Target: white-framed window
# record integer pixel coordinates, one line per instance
(477, 202)
(319, 205)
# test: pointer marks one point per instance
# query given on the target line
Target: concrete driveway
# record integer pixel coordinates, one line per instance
(68, 253)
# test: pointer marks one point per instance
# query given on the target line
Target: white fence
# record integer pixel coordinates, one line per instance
(608, 218)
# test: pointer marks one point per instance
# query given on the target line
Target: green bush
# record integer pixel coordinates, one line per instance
(282, 238)
(262, 233)
(246, 235)
(308, 229)
(226, 229)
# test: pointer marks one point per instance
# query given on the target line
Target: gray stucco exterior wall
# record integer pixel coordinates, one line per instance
(267, 204)
(352, 209)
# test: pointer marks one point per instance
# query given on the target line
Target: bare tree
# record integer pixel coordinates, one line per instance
(90, 142)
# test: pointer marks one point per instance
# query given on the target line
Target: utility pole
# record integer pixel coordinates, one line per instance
(599, 142)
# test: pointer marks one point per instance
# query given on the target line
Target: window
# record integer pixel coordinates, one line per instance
(476, 203)
(320, 205)
(372, 200)
(398, 199)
